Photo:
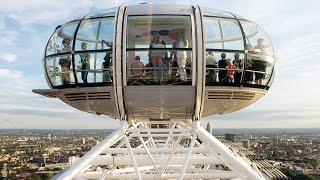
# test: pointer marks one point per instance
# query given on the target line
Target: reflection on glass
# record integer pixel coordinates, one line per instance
(141, 68)
(60, 70)
(93, 68)
(258, 69)
(145, 28)
(62, 35)
(224, 68)
(97, 33)
(159, 50)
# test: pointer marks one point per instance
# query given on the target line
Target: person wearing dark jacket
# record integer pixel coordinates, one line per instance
(222, 64)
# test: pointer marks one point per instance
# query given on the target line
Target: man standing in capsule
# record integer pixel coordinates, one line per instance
(65, 61)
(181, 42)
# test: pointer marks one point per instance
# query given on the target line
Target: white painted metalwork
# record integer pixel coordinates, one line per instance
(174, 150)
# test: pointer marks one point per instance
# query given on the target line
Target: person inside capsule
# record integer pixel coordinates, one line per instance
(107, 68)
(137, 67)
(238, 66)
(222, 65)
(156, 56)
(85, 62)
(211, 64)
(181, 42)
(65, 61)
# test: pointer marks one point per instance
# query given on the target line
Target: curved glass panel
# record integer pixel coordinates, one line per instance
(159, 50)
(224, 68)
(257, 40)
(272, 77)
(94, 68)
(259, 69)
(222, 34)
(216, 13)
(102, 13)
(212, 33)
(95, 34)
(62, 38)
(232, 36)
(59, 69)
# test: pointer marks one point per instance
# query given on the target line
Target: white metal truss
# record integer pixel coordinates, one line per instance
(158, 150)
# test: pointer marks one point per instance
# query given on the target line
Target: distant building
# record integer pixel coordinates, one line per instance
(72, 160)
(4, 171)
(246, 144)
(229, 137)
(49, 136)
(318, 140)
(209, 128)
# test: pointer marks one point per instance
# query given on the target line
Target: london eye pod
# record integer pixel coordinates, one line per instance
(193, 62)
(166, 65)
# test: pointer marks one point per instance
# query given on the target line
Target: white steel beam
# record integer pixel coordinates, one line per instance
(167, 153)
(233, 160)
(87, 159)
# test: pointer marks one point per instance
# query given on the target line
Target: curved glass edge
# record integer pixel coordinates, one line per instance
(255, 65)
(95, 34)
(61, 41)
(216, 13)
(223, 34)
(82, 62)
(102, 13)
(257, 40)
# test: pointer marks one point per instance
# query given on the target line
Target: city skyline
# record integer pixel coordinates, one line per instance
(292, 101)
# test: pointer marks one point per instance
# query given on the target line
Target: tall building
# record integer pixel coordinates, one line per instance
(246, 144)
(209, 128)
(229, 137)
(49, 136)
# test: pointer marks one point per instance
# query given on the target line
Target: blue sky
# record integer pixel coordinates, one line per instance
(292, 102)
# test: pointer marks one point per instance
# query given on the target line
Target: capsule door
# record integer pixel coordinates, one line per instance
(158, 65)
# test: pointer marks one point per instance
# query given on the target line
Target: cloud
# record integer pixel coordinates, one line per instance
(2, 23)
(10, 75)
(8, 38)
(40, 12)
(8, 57)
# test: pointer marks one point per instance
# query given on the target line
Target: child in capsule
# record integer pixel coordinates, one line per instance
(137, 66)
(238, 64)
(231, 69)
(85, 62)
(65, 61)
